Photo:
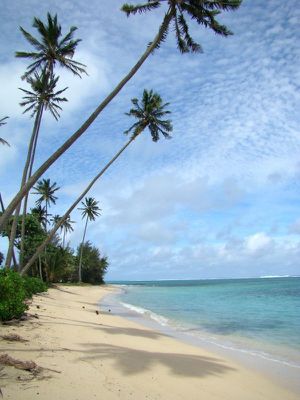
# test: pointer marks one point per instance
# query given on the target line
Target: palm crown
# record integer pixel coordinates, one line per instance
(203, 12)
(51, 48)
(90, 208)
(43, 86)
(46, 192)
(149, 115)
(40, 213)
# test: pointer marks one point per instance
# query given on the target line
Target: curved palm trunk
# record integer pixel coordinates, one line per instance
(13, 204)
(81, 252)
(35, 131)
(68, 212)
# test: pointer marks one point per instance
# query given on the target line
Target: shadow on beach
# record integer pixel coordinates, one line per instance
(131, 361)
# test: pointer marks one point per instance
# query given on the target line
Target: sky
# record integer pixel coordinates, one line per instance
(218, 200)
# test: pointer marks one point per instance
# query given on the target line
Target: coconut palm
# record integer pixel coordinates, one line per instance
(43, 92)
(46, 192)
(90, 211)
(40, 214)
(41, 97)
(203, 12)
(3, 122)
(149, 113)
(51, 48)
(65, 227)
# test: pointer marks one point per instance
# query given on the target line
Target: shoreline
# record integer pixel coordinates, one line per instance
(86, 354)
(281, 371)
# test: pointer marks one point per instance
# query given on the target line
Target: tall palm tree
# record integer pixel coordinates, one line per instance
(3, 122)
(90, 211)
(42, 97)
(149, 114)
(46, 192)
(51, 48)
(203, 12)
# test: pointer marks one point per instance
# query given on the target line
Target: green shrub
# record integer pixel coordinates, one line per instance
(33, 285)
(12, 295)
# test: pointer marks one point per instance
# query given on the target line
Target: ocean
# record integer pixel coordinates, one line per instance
(258, 316)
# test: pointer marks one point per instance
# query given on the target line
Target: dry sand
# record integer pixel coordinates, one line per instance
(85, 355)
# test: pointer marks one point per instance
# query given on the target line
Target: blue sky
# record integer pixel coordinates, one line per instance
(221, 199)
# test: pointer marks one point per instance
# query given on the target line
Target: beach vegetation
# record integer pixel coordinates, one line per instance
(14, 290)
(93, 265)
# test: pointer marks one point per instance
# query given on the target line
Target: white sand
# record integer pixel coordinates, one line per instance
(107, 357)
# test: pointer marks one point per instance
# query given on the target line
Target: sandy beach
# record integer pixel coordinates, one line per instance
(87, 353)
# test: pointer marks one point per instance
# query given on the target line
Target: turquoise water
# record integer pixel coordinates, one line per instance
(261, 315)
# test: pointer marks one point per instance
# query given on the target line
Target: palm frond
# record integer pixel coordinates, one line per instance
(140, 8)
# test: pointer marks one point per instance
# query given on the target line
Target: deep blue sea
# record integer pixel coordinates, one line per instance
(260, 316)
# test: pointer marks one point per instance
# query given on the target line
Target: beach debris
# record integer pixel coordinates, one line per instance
(97, 312)
(109, 310)
(13, 337)
(83, 307)
(31, 366)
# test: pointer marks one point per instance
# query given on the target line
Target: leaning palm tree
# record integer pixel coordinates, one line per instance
(3, 122)
(51, 48)
(204, 13)
(149, 114)
(90, 211)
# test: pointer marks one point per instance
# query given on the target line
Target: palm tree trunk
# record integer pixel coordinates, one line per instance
(81, 251)
(13, 204)
(13, 253)
(68, 212)
(35, 131)
(21, 256)
(40, 267)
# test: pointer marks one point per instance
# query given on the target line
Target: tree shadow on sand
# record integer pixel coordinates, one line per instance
(131, 361)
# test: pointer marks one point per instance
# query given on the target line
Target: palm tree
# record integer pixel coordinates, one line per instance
(203, 12)
(51, 48)
(149, 114)
(40, 214)
(46, 192)
(42, 97)
(3, 122)
(90, 211)
(65, 227)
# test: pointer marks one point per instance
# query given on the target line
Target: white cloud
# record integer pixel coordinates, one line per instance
(258, 243)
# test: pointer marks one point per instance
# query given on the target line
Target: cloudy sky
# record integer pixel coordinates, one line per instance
(221, 199)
